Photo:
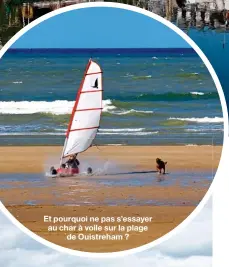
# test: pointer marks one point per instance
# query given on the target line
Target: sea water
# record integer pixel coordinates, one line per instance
(151, 97)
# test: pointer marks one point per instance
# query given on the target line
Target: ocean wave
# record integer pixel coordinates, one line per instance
(122, 130)
(197, 93)
(17, 82)
(107, 105)
(31, 107)
(173, 97)
(60, 129)
(115, 144)
(200, 120)
(191, 145)
(204, 130)
(58, 107)
(168, 97)
(128, 112)
(128, 133)
(127, 75)
(142, 77)
(30, 134)
(115, 106)
(192, 75)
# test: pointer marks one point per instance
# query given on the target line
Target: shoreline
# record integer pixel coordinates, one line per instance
(105, 145)
(38, 159)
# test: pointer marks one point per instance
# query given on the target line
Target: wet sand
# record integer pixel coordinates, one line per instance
(115, 196)
(135, 189)
(36, 159)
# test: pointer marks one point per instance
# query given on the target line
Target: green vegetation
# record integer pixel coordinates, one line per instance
(11, 16)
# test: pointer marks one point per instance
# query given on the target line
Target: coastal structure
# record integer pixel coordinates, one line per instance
(213, 14)
(16, 14)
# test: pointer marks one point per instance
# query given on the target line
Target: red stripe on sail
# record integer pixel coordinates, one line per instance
(91, 91)
(88, 109)
(80, 129)
(94, 73)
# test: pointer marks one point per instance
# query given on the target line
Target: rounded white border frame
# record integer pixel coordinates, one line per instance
(223, 153)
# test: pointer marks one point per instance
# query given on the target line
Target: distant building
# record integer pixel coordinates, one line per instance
(214, 14)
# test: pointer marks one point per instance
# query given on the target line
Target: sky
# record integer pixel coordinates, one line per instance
(100, 27)
(189, 248)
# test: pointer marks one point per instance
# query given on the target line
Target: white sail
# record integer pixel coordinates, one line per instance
(86, 113)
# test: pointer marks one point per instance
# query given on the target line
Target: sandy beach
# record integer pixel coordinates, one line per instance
(35, 159)
(164, 220)
(134, 189)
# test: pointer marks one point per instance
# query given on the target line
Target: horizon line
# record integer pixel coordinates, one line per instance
(104, 51)
(112, 48)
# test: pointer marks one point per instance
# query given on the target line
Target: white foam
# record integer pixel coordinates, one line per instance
(205, 130)
(115, 144)
(197, 93)
(128, 75)
(143, 77)
(57, 107)
(30, 133)
(200, 120)
(122, 130)
(125, 112)
(191, 145)
(107, 105)
(60, 129)
(128, 133)
(17, 82)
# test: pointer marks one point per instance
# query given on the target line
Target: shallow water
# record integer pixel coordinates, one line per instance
(78, 190)
(136, 178)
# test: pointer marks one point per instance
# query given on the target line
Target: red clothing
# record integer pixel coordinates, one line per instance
(68, 171)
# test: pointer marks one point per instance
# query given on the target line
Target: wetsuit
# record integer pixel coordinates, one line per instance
(73, 163)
